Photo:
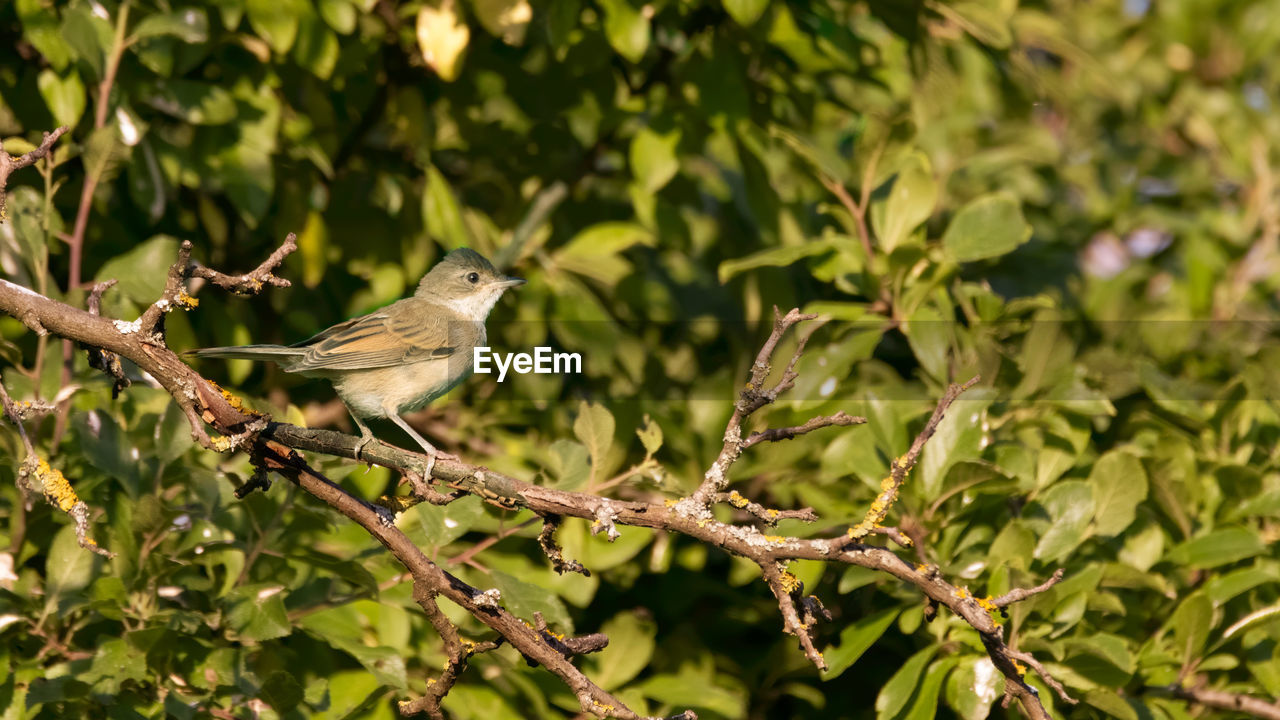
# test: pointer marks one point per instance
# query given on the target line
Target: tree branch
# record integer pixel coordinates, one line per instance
(274, 446)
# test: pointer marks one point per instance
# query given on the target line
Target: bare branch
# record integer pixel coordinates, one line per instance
(1222, 700)
(787, 433)
(251, 283)
(786, 589)
(1020, 594)
(753, 397)
(1030, 660)
(899, 468)
(9, 163)
(769, 516)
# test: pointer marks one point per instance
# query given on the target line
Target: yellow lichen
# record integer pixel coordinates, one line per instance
(185, 301)
(737, 500)
(790, 582)
(775, 539)
(56, 487)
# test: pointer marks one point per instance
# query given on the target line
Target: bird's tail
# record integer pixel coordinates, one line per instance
(285, 357)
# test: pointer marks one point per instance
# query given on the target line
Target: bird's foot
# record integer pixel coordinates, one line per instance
(360, 446)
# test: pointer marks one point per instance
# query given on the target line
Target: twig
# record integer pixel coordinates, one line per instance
(1020, 594)
(36, 474)
(753, 397)
(899, 468)
(1222, 700)
(251, 282)
(9, 163)
(787, 433)
(1030, 660)
(769, 516)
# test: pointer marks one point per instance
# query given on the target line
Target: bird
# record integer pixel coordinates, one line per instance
(399, 358)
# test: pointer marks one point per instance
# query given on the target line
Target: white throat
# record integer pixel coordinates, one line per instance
(475, 306)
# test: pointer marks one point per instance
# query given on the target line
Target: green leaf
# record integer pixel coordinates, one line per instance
(472, 702)
(340, 14)
(594, 427)
(275, 21)
(650, 434)
(40, 28)
(505, 19)
(141, 272)
(1191, 623)
(64, 95)
(195, 102)
(281, 691)
(925, 704)
(687, 690)
(26, 211)
(973, 687)
(595, 252)
(596, 552)
(1119, 485)
(524, 599)
(773, 257)
(959, 437)
(1111, 704)
(855, 638)
(627, 29)
(898, 691)
(1070, 505)
(69, 567)
(445, 523)
(745, 12)
(351, 693)
(570, 464)
(188, 24)
(114, 663)
(911, 201)
(1220, 547)
(1222, 588)
(653, 158)
(88, 36)
(1101, 658)
(316, 48)
(631, 645)
(987, 227)
(443, 213)
(256, 613)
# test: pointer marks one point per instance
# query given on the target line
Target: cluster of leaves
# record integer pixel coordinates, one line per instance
(1073, 200)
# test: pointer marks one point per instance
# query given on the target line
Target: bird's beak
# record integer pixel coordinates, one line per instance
(510, 281)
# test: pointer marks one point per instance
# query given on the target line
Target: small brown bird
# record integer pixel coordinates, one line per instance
(400, 358)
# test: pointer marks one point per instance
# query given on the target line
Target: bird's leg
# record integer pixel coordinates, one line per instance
(427, 447)
(366, 435)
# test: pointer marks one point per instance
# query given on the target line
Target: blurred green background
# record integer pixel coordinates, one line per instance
(1075, 200)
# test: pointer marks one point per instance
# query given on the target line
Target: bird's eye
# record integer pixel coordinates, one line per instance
(473, 278)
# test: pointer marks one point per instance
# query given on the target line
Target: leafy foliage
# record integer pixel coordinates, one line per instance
(1075, 201)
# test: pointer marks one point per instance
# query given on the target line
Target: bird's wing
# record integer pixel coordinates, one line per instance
(405, 332)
